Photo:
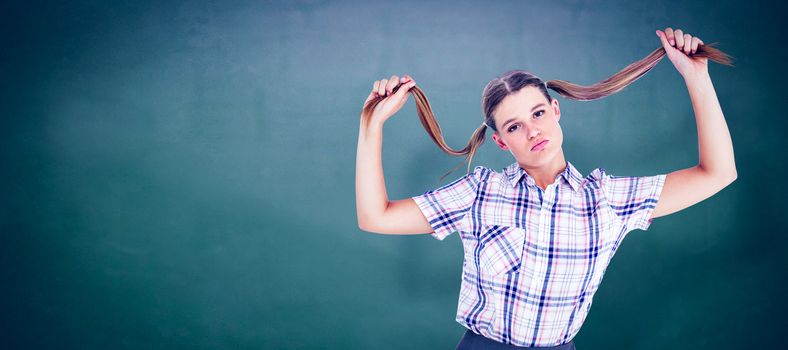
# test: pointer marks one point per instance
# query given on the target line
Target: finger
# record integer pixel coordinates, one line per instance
(409, 79)
(669, 33)
(392, 83)
(404, 89)
(700, 41)
(382, 87)
(375, 87)
(695, 43)
(687, 44)
(679, 35)
(663, 38)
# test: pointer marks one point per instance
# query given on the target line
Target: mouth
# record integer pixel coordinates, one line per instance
(539, 145)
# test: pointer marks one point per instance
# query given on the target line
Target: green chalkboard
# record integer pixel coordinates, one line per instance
(180, 175)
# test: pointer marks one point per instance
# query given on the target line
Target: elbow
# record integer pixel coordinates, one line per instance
(729, 177)
(720, 176)
(732, 174)
(364, 225)
(369, 220)
(733, 177)
(371, 226)
(362, 219)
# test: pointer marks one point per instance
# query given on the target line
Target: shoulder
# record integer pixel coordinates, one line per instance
(596, 178)
(498, 181)
(597, 181)
(482, 173)
(487, 175)
(615, 186)
(600, 178)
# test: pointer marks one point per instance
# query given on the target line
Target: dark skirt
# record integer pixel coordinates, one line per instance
(473, 341)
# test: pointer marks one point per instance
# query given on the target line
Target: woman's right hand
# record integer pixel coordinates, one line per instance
(393, 101)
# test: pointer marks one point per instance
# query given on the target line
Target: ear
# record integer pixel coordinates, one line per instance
(499, 141)
(556, 109)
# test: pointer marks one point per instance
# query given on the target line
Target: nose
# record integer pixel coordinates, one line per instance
(532, 132)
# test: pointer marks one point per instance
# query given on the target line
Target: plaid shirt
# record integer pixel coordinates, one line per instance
(534, 258)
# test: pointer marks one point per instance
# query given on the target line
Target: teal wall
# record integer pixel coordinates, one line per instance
(181, 175)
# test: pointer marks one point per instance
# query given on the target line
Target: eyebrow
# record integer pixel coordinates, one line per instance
(515, 118)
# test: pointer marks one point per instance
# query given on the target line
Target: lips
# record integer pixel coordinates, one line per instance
(539, 145)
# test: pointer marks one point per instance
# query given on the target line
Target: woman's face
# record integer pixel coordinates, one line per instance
(524, 119)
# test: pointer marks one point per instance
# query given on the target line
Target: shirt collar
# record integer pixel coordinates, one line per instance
(514, 173)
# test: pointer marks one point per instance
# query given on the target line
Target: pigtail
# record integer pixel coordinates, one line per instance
(432, 127)
(629, 74)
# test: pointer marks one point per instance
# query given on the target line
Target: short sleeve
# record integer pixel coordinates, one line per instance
(445, 207)
(633, 198)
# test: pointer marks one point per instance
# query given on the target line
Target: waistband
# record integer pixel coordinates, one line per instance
(473, 341)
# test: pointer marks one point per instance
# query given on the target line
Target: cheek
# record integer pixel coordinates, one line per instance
(558, 131)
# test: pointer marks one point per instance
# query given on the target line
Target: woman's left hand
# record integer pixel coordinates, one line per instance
(680, 47)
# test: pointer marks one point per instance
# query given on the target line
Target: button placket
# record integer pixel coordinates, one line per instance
(544, 212)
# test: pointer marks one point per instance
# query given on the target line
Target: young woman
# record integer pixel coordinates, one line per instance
(539, 235)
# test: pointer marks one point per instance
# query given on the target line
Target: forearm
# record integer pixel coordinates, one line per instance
(371, 196)
(715, 148)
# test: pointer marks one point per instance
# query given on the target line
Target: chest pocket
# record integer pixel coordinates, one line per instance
(500, 249)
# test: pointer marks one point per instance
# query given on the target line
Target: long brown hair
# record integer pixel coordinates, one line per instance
(514, 80)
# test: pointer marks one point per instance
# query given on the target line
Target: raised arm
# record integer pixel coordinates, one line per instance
(374, 210)
(716, 167)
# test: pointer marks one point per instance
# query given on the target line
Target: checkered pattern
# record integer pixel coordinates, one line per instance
(534, 258)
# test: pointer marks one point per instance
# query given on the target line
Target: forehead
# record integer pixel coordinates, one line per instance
(519, 103)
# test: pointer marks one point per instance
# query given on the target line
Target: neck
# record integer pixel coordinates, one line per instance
(545, 175)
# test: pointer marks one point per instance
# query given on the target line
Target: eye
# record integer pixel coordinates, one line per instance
(540, 113)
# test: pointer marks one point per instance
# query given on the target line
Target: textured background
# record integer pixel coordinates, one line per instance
(181, 175)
